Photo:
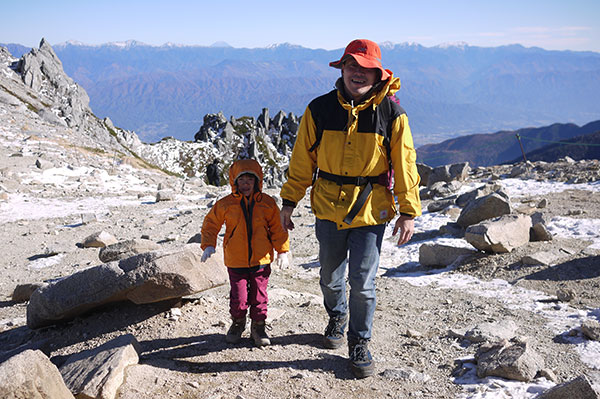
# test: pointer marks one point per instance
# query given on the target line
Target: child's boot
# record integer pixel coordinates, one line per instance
(258, 333)
(234, 334)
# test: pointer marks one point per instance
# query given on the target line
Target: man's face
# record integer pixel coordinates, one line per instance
(357, 80)
(245, 184)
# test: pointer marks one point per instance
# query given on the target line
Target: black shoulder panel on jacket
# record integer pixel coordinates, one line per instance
(397, 109)
(327, 112)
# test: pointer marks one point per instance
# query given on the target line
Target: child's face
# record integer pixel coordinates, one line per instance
(245, 184)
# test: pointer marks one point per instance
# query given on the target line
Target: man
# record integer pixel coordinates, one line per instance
(350, 140)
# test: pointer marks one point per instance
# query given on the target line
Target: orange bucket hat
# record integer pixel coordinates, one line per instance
(366, 53)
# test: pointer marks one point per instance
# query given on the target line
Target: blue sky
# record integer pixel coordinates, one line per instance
(550, 24)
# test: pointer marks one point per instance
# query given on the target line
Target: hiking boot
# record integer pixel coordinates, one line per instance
(361, 361)
(333, 337)
(234, 334)
(258, 333)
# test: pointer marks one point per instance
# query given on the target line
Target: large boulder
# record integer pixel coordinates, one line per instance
(483, 208)
(99, 372)
(145, 278)
(30, 374)
(441, 255)
(500, 235)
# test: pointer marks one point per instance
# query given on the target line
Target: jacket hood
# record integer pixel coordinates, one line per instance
(242, 166)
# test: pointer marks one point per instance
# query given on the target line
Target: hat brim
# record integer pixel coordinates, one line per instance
(365, 62)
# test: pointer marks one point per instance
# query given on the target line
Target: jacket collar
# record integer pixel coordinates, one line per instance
(374, 97)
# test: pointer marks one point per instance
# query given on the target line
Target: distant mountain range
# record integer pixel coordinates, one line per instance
(546, 143)
(578, 148)
(448, 91)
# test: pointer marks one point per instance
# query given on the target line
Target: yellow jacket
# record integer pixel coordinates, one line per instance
(250, 236)
(352, 144)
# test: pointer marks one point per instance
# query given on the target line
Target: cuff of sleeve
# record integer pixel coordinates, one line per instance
(407, 215)
(287, 202)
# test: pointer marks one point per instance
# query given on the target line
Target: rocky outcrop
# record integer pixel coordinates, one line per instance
(37, 83)
(42, 71)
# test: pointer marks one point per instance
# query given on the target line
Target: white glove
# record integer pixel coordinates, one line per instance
(282, 260)
(208, 252)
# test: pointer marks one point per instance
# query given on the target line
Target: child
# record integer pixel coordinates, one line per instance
(252, 230)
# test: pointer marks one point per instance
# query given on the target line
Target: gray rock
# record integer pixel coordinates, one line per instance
(87, 218)
(543, 258)
(99, 239)
(447, 173)
(453, 229)
(444, 189)
(145, 278)
(165, 195)
(43, 164)
(30, 374)
(22, 292)
(488, 332)
(513, 360)
(441, 255)
(548, 374)
(424, 172)
(500, 235)
(405, 375)
(436, 206)
(577, 388)
(539, 232)
(565, 294)
(99, 372)
(196, 238)
(542, 204)
(486, 189)
(126, 249)
(483, 208)
(591, 329)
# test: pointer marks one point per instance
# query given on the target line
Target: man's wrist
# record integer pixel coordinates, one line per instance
(287, 202)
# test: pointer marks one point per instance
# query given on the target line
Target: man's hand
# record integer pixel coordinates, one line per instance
(286, 217)
(406, 225)
(208, 252)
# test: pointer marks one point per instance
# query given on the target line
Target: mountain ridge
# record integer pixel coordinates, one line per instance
(447, 90)
(502, 146)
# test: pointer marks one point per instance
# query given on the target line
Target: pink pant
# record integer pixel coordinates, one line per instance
(249, 290)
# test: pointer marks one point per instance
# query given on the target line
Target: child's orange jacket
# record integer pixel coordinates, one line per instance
(252, 226)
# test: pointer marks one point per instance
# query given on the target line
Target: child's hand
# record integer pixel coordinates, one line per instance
(282, 260)
(208, 252)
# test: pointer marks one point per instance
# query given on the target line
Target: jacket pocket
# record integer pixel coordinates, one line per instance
(228, 237)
